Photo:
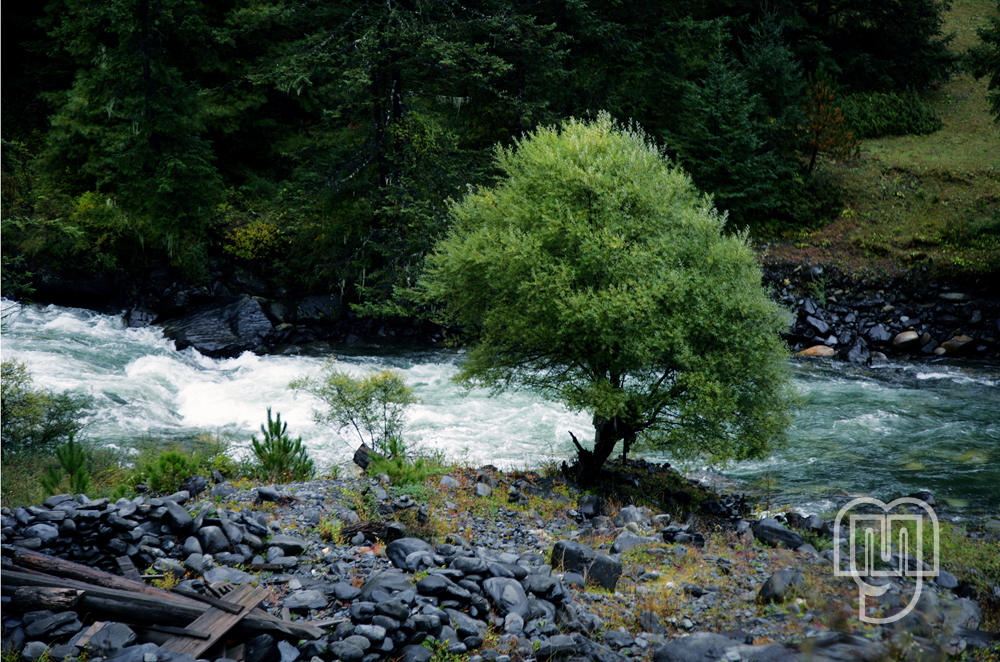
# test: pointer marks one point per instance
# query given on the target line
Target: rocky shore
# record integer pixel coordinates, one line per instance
(483, 565)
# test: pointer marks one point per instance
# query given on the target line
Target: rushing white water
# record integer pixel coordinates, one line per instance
(884, 431)
(144, 388)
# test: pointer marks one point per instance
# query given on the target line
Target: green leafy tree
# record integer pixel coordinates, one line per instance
(35, 420)
(984, 60)
(372, 406)
(595, 273)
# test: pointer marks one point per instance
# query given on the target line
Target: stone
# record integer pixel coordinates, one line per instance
(483, 490)
(47, 626)
(590, 505)
(261, 649)
(213, 539)
(626, 540)
(817, 350)
(386, 581)
(604, 571)
(649, 622)
(224, 573)
(779, 585)
(225, 330)
(192, 546)
(110, 638)
(290, 545)
(572, 556)
(710, 647)
(956, 345)
(415, 653)
(878, 334)
(177, 517)
(33, 650)
(287, 652)
(305, 600)
(506, 595)
(906, 340)
(954, 296)
(449, 482)
(773, 532)
(399, 550)
(268, 493)
(195, 485)
(859, 353)
(821, 327)
(46, 533)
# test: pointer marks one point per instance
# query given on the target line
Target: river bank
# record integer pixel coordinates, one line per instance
(484, 565)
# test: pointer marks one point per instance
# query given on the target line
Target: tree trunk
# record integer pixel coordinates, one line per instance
(607, 433)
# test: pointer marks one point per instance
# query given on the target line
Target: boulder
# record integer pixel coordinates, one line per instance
(709, 647)
(398, 550)
(779, 585)
(817, 350)
(906, 340)
(222, 330)
(507, 596)
(773, 532)
(956, 345)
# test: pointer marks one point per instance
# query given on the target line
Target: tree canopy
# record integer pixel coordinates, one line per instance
(594, 272)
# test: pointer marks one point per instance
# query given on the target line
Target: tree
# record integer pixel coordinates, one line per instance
(34, 420)
(595, 273)
(984, 60)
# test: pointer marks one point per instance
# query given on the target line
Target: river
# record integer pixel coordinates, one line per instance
(884, 431)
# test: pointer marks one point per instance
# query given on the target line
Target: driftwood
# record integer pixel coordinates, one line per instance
(128, 600)
(43, 597)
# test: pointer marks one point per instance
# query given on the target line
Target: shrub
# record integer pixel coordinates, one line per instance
(32, 419)
(278, 456)
(74, 464)
(372, 406)
(876, 114)
(168, 471)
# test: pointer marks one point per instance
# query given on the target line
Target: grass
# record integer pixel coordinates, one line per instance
(922, 201)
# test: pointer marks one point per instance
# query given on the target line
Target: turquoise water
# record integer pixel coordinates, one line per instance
(886, 431)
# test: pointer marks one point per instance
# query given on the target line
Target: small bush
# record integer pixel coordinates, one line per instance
(876, 114)
(372, 406)
(168, 471)
(74, 465)
(279, 457)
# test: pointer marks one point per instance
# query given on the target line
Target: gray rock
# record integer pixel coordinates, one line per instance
(226, 574)
(946, 580)
(287, 652)
(33, 650)
(198, 563)
(387, 582)
(192, 546)
(222, 330)
(110, 638)
(605, 571)
(626, 540)
(415, 653)
(778, 585)
(483, 490)
(44, 532)
(506, 595)
(773, 532)
(265, 493)
(177, 517)
(709, 647)
(172, 566)
(223, 490)
(399, 550)
(290, 545)
(305, 600)
(449, 482)
(373, 633)
(213, 539)
(49, 625)
(341, 650)
(344, 591)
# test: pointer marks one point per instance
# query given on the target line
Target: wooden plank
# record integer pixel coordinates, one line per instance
(83, 638)
(170, 629)
(209, 600)
(217, 622)
(128, 568)
(44, 597)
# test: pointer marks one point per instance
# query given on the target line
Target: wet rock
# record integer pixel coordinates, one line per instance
(906, 340)
(177, 517)
(305, 600)
(956, 345)
(224, 330)
(709, 647)
(290, 545)
(110, 638)
(818, 351)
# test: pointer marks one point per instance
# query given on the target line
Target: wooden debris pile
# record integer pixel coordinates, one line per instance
(178, 621)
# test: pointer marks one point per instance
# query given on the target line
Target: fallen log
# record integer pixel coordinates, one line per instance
(53, 565)
(137, 607)
(44, 597)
